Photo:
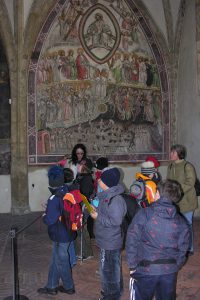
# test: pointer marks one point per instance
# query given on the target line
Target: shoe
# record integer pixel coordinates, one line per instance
(189, 253)
(84, 257)
(63, 290)
(47, 291)
(97, 273)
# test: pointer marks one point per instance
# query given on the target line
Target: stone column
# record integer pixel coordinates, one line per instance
(19, 169)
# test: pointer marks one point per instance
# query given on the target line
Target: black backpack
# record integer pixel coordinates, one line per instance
(197, 182)
(132, 208)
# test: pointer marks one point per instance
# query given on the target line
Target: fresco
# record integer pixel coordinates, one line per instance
(4, 114)
(97, 77)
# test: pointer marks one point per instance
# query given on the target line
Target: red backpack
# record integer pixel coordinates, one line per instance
(72, 212)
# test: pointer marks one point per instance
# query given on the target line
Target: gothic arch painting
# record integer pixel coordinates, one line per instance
(97, 76)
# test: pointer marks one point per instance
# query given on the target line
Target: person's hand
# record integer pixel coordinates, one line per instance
(94, 213)
(44, 205)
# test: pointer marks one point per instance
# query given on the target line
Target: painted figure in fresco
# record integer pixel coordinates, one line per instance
(71, 66)
(82, 65)
(99, 33)
(116, 67)
(142, 71)
(134, 68)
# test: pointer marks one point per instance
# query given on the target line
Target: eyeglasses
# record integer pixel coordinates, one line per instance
(81, 153)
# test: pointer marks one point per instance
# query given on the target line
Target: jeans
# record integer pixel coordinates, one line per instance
(111, 274)
(189, 218)
(144, 287)
(60, 267)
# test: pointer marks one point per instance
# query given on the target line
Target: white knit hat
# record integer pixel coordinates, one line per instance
(147, 168)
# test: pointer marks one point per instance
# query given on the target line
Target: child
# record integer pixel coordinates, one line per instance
(60, 267)
(157, 176)
(156, 245)
(109, 238)
(144, 188)
(101, 165)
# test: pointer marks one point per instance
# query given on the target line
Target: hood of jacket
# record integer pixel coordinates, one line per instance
(165, 208)
(111, 192)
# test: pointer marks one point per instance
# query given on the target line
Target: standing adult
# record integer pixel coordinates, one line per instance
(78, 158)
(184, 172)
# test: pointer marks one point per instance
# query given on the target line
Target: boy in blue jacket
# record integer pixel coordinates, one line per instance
(156, 245)
(60, 267)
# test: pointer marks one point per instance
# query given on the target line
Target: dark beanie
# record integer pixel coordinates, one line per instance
(56, 177)
(102, 163)
(111, 177)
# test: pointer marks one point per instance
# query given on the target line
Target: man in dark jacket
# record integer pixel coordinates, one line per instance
(60, 267)
(108, 233)
(156, 245)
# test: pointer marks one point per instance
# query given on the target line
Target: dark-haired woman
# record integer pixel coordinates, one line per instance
(184, 172)
(78, 158)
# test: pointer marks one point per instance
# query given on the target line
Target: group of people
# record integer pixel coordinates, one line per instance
(158, 240)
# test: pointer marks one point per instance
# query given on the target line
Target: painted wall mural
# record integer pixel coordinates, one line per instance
(5, 114)
(97, 77)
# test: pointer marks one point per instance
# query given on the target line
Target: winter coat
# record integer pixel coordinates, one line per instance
(57, 229)
(111, 211)
(157, 234)
(185, 174)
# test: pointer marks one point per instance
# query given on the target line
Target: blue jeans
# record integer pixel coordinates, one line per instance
(144, 287)
(60, 267)
(111, 274)
(189, 218)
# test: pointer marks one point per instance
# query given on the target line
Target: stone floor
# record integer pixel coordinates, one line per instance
(34, 251)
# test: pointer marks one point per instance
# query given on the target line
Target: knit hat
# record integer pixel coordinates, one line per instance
(147, 168)
(111, 177)
(56, 176)
(102, 163)
(154, 160)
(68, 175)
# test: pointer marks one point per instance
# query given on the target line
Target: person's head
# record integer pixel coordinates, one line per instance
(68, 175)
(148, 169)
(170, 189)
(78, 153)
(101, 163)
(87, 166)
(109, 178)
(154, 160)
(56, 177)
(178, 152)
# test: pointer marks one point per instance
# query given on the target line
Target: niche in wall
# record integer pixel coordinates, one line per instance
(4, 114)
(97, 76)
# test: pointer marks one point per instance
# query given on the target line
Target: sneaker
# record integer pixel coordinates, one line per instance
(84, 257)
(97, 273)
(63, 290)
(189, 253)
(47, 291)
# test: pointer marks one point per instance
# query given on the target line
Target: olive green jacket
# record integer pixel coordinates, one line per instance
(185, 174)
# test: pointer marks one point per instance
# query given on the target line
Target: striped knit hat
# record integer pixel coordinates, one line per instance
(147, 168)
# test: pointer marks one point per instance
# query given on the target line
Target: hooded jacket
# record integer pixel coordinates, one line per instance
(185, 174)
(157, 233)
(111, 211)
(57, 229)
